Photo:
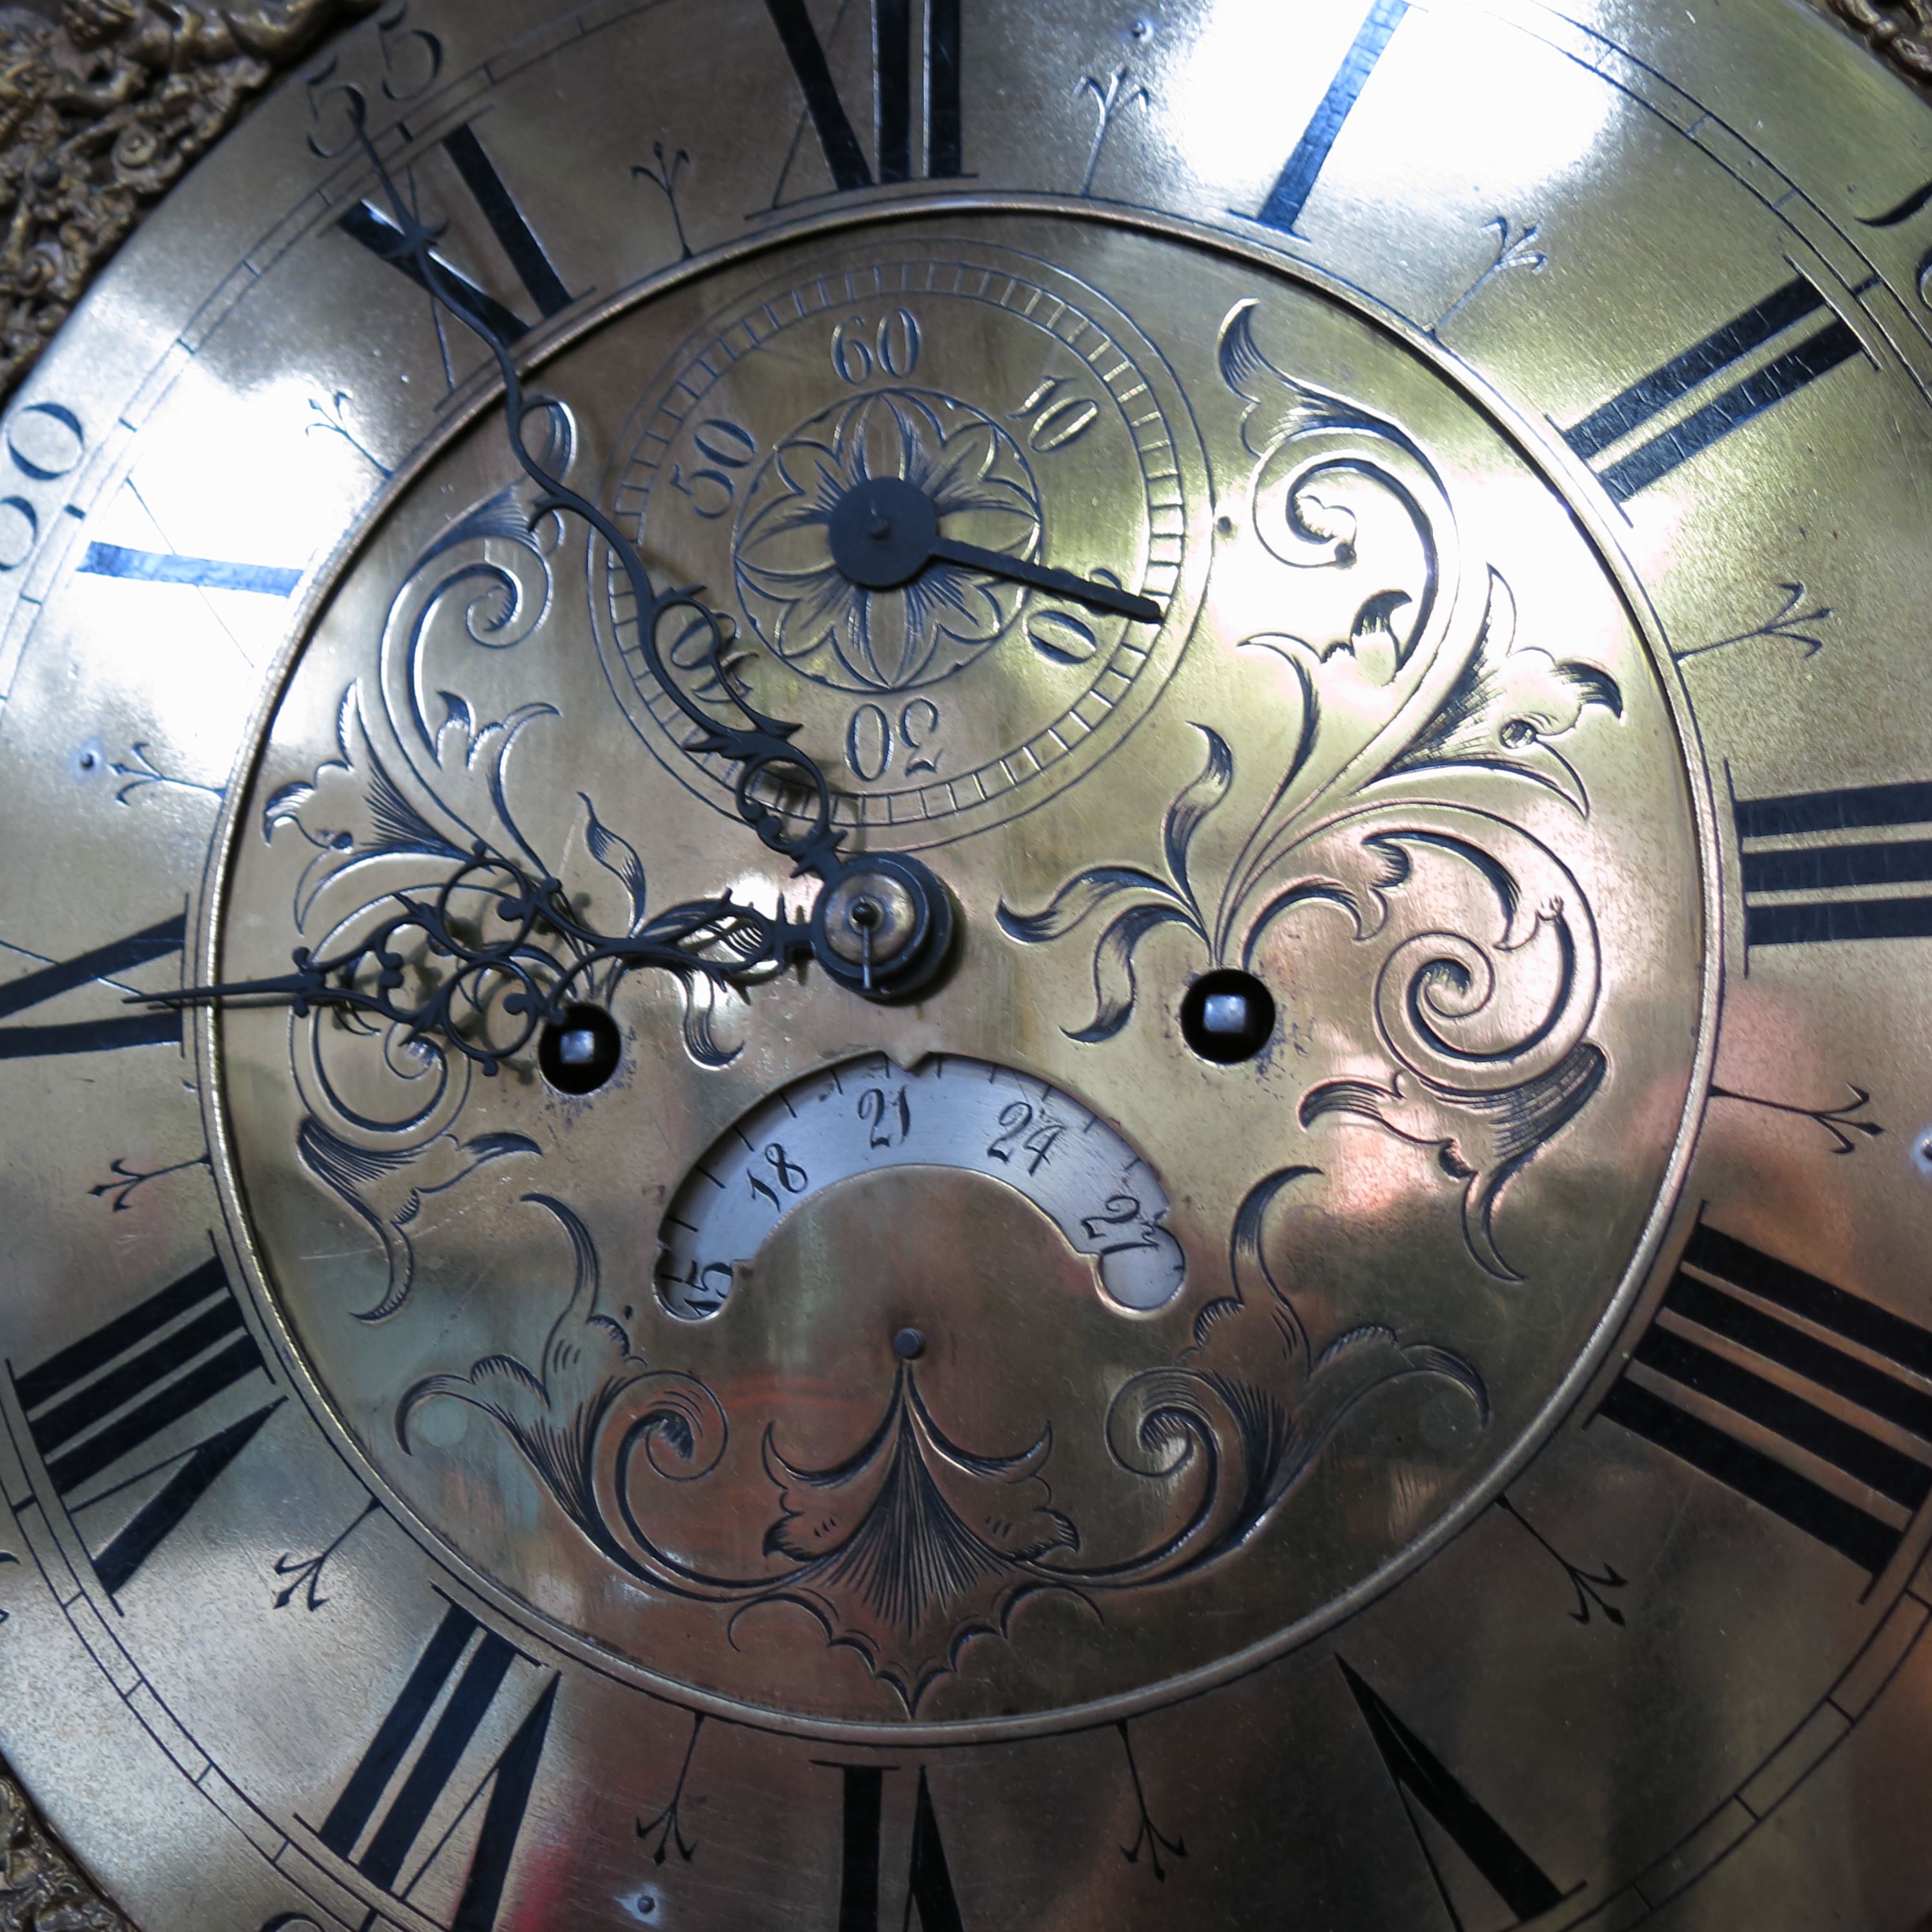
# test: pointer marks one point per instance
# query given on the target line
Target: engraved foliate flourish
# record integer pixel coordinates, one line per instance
(434, 915)
(912, 1545)
(1480, 946)
(839, 633)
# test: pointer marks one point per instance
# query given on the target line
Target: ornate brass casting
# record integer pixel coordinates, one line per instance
(100, 112)
(41, 1887)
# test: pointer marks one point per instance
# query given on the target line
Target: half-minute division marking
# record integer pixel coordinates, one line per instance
(1817, 341)
(142, 771)
(128, 1181)
(306, 1571)
(1289, 195)
(1515, 248)
(377, 231)
(1745, 1373)
(1149, 1838)
(1839, 1122)
(893, 60)
(1836, 885)
(380, 1854)
(1589, 1584)
(117, 1391)
(200, 573)
(331, 420)
(1109, 97)
(1422, 1778)
(1793, 623)
(101, 962)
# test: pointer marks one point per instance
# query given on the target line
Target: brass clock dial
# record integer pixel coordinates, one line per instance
(963, 966)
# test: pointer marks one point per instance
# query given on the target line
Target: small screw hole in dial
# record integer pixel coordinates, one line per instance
(580, 1055)
(1227, 1017)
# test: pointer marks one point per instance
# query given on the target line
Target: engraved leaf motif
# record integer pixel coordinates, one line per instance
(1246, 1404)
(699, 1020)
(912, 1545)
(1192, 806)
(1508, 704)
(1278, 406)
(386, 1189)
(492, 566)
(588, 1379)
(1480, 1139)
(1083, 894)
(1115, 986)
(1484, 979)
(619, 856)
(352, 810)
(1087, 892)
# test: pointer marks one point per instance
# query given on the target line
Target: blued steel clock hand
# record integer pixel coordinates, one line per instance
(1095, 593)
(885, 531)
(761, 747)
(882, 925)
(548, 958)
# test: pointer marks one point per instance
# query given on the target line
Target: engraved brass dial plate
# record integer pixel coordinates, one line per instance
(1045, 898)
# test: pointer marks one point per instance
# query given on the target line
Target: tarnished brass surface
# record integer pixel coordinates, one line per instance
(1361, 1353)
(1415, 819)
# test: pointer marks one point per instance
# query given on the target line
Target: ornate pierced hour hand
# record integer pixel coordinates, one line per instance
(885, 531)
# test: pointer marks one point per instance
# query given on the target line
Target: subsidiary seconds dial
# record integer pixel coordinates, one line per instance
(1007, 405)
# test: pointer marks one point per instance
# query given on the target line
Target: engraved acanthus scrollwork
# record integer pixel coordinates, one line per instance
(441, 939)
(912, 1544)
(1480, 945)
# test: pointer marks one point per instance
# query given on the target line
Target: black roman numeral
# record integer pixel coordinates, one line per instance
(1732, 1319)
(1422, 1778)
(893, 65)
(928, 1882)
(1802, 895)
(377, 231)
(104, 962)
(115, 1390)
(386, 1841)
(1793, 313)
(1283, 209)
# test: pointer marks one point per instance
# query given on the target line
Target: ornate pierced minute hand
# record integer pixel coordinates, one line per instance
(882, 924)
